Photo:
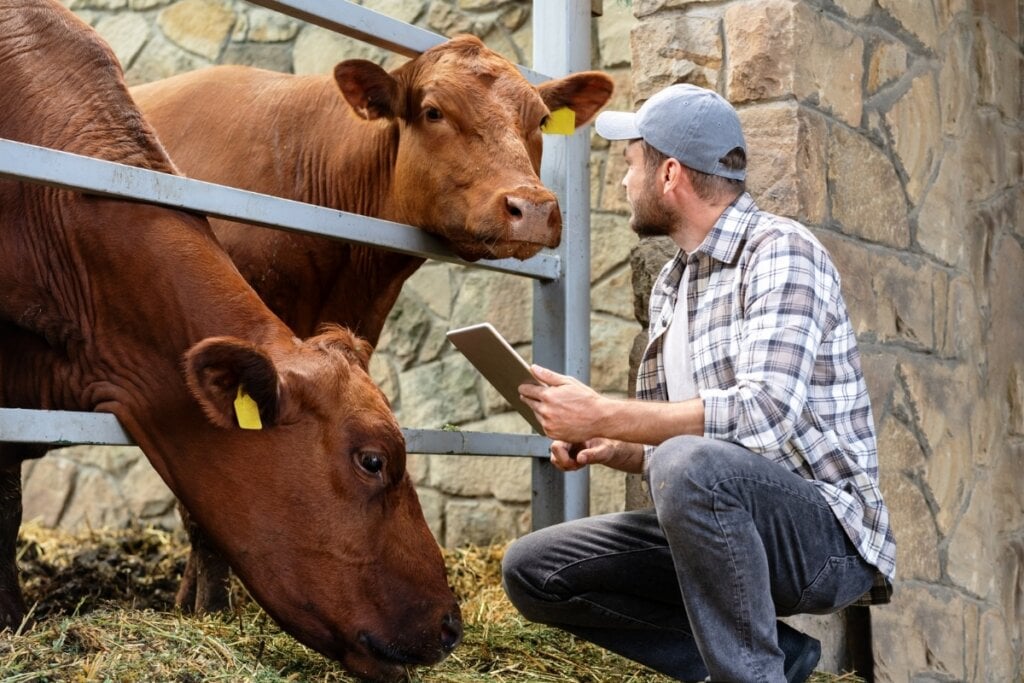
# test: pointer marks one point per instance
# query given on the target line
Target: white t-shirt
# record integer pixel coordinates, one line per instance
(676, 352)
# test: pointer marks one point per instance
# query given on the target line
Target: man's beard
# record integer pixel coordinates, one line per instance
(651, 217)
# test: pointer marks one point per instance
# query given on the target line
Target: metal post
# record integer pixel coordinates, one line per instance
(561, 315)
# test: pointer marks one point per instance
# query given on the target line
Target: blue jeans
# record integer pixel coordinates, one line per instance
(694, 587)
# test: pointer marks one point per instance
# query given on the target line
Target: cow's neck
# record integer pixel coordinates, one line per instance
(367, 285)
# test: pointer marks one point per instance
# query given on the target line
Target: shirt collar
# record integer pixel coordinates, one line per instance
(727, 235)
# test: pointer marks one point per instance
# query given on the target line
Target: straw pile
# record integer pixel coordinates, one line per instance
(103, 611)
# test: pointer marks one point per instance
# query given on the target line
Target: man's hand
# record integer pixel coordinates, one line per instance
(619, 455)
(567, 408)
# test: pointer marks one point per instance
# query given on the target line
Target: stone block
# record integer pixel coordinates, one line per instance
(607, 490)
(610, 341)
(676, 48)
(955, 76)
(507, 479)
(418, 467)
(891, 298)
(916, 127)
(857, 9)
(267, 26)
(125, 33)
(762, 40)
(879, 370)
(642, 8)
(408, 324)
(145, 493)
(96, 502)
(943, 219)
(271, 56)
(76, 5)
(867, 197)
(613, 29)
(384, 374)
(432, 284)
(973, 544)
(317, 50)
(646, 260)
(506, 301)
(480, 522)
(199, 26)
(407, 10)
(943, 419)
(161, 59)
(920, 636)
(1004, 268)
(786, 166)
(613, 194)
(918, 18)
(439, 393)
(998, 660)
(1016, 382)
(614, 295)
(46, 489)
(611, 240)
(999, 64)
(965, 323)
(983, 165)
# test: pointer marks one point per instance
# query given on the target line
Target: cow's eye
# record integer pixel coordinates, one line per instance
(371, 461)
(434, 114)
(543, 122)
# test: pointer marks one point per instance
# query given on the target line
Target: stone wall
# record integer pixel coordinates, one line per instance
(466, 499)
(894, 130)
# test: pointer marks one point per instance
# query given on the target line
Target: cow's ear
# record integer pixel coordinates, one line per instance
(370, 90)
(585, 93)
(222, 371)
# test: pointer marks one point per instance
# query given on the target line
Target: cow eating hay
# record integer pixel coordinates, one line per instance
(135, 310)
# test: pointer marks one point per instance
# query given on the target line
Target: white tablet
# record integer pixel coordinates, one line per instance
(499, 363)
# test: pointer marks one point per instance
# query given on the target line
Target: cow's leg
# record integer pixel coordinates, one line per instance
(205, 583)
(12, 605)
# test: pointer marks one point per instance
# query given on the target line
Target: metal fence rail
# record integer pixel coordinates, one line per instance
(561, 323)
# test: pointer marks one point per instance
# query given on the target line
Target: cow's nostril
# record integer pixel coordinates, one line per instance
(451, 632)
(515, 207)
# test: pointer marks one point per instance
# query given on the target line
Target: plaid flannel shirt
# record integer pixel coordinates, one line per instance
(776, 362)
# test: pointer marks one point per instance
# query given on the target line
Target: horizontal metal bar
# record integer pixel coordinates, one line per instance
(348, 18)
(61, 427)
(360, 23)
(20, 161)
(476, 443)
(65, 428)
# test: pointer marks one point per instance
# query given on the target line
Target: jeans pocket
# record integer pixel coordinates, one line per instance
(839, 583)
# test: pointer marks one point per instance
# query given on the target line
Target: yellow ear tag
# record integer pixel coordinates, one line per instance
(560, 122)
(246, 410)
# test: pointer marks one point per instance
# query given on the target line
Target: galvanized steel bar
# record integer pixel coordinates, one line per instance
(561, 324)
(20, 161)
(360, 23)
(369, 26)
(65, 428)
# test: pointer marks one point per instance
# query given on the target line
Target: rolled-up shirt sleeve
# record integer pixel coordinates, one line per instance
(785, 297)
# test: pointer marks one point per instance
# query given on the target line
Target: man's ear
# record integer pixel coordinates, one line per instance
(584, 92)
(217, 367)
(371, 91)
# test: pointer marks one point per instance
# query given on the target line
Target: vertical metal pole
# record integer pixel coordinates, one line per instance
(561, 308)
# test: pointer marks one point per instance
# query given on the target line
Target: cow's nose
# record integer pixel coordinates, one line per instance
(531, 221)
(451, 631)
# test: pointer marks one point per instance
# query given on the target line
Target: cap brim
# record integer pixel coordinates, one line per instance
(617, 125)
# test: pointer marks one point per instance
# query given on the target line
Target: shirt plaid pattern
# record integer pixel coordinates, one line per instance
(776, 362)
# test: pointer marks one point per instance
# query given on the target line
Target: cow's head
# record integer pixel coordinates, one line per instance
(469, 143)
(315, 510)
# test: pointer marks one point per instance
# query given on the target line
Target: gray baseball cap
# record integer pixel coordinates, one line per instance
(695, 125)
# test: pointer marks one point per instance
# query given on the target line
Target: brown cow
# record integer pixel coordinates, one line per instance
(449, 142)
(134, 310)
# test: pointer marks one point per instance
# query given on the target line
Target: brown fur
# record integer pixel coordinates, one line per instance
(103, 299)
